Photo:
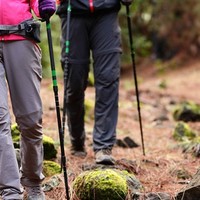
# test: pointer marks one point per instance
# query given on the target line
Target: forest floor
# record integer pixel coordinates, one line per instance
(161, 86)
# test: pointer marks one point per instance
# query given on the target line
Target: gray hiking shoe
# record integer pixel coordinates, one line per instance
(78, 151)
(104, 157)
(35, 193)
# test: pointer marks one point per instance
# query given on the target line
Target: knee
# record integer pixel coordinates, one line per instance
(111, 72)
(31, 127)
(75, 96)
(107, 80)
(30, 120)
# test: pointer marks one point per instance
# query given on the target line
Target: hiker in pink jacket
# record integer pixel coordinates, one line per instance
(20, 69)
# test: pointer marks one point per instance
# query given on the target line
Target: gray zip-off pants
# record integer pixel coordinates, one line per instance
(100, 34)
(20, 66)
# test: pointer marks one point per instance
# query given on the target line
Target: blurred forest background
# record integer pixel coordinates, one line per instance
(161, 31)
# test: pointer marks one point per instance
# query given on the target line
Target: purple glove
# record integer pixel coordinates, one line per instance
(126, 2)
(47, 8)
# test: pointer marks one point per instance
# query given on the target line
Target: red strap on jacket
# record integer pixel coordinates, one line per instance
(58, 2)
(91, 5)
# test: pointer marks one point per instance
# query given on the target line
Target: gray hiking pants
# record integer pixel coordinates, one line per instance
(100, 34)
(20, 66)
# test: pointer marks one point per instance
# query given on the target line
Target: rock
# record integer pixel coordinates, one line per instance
(155, 196)
(126, 142)
(192, 190)
(120, 143)
(181, 174)
(182, 131)
(128, 165)
(187, 111)
(53, 182)
(15, 132)
(51, 168)
(49, 148)
(50, 151)
(102, 184)
(130, 142)
(188, 139)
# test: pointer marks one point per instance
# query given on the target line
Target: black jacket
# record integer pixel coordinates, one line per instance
(82, 7)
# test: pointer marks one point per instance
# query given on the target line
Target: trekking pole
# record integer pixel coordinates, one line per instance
(135, 75)
(67, 43)
(55, 89)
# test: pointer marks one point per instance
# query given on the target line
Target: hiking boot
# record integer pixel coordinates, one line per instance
(104, 157)
(78, 151)
(35, 193)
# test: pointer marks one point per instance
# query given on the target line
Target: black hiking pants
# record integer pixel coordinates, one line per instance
(98, 34)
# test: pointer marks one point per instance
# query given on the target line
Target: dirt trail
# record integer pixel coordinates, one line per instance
(157, 171)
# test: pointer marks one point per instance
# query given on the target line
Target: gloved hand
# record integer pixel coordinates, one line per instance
(47, 8)
(126, 2)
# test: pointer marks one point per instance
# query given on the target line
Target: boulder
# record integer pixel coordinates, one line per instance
(104, 184)
(183, 131)
(192, 190)
(50, 151)
(51, 168)
(187, 111)
(188, 139)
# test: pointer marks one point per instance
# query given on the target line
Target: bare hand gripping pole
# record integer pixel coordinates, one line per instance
(55, 89)
(135, 74)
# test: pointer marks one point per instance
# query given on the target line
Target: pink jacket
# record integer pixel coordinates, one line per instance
(13, 12)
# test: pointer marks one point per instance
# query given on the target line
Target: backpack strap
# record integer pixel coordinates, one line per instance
(29, 29)
(9, 29)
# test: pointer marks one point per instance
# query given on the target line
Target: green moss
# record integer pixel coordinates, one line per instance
(191, 146)
(99, 184)
(183, 132)
(51, 168)
(15, 129)
(187, 111)
(49, 148)
(15, 132)
(162, 84)
(196, 140)
(50, 151)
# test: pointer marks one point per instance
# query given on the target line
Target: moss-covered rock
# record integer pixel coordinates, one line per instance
(191, 146)
(187, 111)
(51, 183)
(101, 184)
(188, 139)
(15, 132)
(49, 148)
(183, 132)
(50, 151)
(51, 168)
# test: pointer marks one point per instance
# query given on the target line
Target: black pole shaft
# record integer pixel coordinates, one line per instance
(66, 66)
(55, 89)
(135, 75)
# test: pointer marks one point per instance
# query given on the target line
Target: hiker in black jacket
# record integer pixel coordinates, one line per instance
(93, 28)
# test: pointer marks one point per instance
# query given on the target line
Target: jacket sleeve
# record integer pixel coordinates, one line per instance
(34, 6)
